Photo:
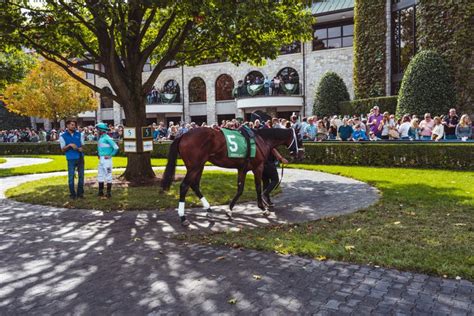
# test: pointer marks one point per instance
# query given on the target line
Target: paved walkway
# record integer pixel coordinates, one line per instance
(20, 162)
(56, 260)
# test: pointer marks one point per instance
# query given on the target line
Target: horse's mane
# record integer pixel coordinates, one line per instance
(273, 133)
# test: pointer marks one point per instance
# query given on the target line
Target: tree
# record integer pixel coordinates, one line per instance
(124, 35)
(49, 92)
(427, 86)
(14, 65)
(330, 92)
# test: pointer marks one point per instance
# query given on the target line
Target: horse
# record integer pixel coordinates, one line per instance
(203, 144)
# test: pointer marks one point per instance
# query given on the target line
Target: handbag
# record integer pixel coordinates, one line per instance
(393, 134)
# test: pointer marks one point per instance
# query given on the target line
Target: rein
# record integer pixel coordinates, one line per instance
(281, 177)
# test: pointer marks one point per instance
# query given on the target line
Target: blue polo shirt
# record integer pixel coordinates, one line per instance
(67, 138)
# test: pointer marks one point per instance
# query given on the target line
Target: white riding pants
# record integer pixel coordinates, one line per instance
(105, 170)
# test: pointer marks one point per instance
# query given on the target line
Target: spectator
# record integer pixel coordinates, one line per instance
(426, 126)
(266, 85)
(385, 126)
(373, 137)
(322, 131)
(311, 130)
(345, 130)
(358, 134)
(450, 123)
(464, 128)
(437, 133)
(414, 131)
(332, 132)
(404, 128)
(374, 121)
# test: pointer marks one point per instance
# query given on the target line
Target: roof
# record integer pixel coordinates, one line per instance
(327, 6)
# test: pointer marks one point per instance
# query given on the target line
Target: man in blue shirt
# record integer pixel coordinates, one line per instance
(71, 142)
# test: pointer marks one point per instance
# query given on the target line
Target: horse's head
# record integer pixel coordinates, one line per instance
(295, 145)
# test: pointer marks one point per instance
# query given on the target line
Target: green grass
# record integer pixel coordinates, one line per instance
(2, 160)
(424, 222)
(59, 163)
(218, 187)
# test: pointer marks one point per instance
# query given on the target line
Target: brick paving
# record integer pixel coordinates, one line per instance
(62, 261)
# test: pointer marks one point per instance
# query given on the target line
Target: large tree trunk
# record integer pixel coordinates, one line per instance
(139, 170)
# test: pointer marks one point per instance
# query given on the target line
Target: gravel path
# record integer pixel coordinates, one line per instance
(21, 162)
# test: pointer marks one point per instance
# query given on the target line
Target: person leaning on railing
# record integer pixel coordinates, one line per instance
(437, 133)
(464, 128)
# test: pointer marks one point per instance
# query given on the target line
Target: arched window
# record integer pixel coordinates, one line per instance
(224, 87)
(290, 80)
(105, 101)
(171, 92)
(253, 84)
(197, 90)
(254, 77)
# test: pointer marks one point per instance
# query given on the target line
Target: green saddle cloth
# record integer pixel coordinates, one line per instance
(237, 144)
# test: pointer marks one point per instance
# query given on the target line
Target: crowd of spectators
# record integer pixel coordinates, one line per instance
(375, 126)
(274, 86)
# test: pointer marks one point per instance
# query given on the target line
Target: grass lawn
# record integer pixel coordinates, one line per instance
(59, 163)
(2, 160)
(424, 222)
(218, 187)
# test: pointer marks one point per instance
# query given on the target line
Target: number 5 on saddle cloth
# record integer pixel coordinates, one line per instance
(237, 143)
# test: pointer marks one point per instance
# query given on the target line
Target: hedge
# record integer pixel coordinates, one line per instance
(90, 149)
(458, 156)
(363, 106)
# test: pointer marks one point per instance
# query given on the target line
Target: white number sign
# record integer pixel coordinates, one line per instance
(233, 147)
(129, 133)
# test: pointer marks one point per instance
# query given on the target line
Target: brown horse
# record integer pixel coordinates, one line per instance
(200, 145)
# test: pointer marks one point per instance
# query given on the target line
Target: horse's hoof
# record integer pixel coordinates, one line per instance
(262, 207)
(209, 213)
(266, 213)
(229, 215)
(184, 221)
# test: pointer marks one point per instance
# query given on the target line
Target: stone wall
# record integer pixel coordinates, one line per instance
(316, 64)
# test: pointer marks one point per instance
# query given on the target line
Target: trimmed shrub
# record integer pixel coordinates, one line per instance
(426, 86)
(330, 92)
(395, 154)
(363, 106)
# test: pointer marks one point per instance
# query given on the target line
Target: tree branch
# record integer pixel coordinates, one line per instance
(172, 50)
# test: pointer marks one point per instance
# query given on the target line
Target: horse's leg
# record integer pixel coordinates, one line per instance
(183, 189)
(193, 177)
(240, 189)
(197, 190)
(258, 186)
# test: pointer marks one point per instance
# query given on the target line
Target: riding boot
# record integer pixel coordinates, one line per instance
(109, 190)
(101, 189)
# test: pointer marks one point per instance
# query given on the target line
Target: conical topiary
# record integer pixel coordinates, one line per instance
(427, 86)
(330, 92)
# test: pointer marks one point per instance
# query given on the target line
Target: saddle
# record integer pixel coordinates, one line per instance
(249, 135)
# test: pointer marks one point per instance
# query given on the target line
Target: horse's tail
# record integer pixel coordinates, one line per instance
(168, 176)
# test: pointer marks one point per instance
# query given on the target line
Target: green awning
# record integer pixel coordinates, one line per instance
(328, 6)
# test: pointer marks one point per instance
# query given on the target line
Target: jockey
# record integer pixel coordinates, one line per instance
(106, 149)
